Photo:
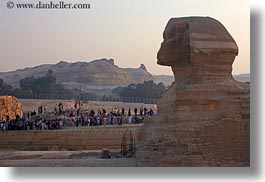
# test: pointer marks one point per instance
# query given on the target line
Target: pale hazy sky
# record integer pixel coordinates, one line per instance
(129, 31)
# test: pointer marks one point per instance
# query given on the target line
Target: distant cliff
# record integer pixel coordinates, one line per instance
(100, 73)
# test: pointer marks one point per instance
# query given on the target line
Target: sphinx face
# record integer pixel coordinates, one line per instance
(175, 49)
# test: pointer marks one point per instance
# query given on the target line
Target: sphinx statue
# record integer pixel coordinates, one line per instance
(203, 118)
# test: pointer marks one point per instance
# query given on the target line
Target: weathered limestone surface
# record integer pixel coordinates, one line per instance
(94, 138)
(10, 106)
(203, 118)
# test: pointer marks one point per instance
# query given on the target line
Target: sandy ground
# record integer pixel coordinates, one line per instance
(62, 159)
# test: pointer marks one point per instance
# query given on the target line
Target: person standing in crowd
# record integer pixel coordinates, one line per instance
(123, 111)
(105, 121)
(28, 115)
(43, 125)
(55, 109)
(76, 104)
(119, 118)
(61, 124)
(77, 112)
(145, 111)
(129, 116)
(45, 109)
(141, 111)
(135, 111)
(82, 119)
(60, 108)
(111, 118)
(76, 122)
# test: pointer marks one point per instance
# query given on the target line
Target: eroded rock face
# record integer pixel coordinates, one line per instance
(10, 106)
(203, 118)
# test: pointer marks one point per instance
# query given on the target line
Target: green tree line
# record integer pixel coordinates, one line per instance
(44, 85)
(148, 89)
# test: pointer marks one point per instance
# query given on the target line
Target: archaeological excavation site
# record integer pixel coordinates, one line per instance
(202, 119)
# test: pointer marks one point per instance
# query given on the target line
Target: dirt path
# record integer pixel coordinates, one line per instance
(62, 159)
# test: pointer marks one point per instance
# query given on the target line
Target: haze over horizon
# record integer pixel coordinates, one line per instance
(130, 32)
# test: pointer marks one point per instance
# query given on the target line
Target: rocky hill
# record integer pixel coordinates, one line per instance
(97, 73)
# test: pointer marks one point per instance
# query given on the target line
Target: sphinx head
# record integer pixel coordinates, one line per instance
(193, 45)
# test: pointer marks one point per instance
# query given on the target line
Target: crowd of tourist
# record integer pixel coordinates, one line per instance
(116, 116)
(27, 123)
(75, 117)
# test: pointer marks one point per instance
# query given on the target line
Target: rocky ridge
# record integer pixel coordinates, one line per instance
(102, 72)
